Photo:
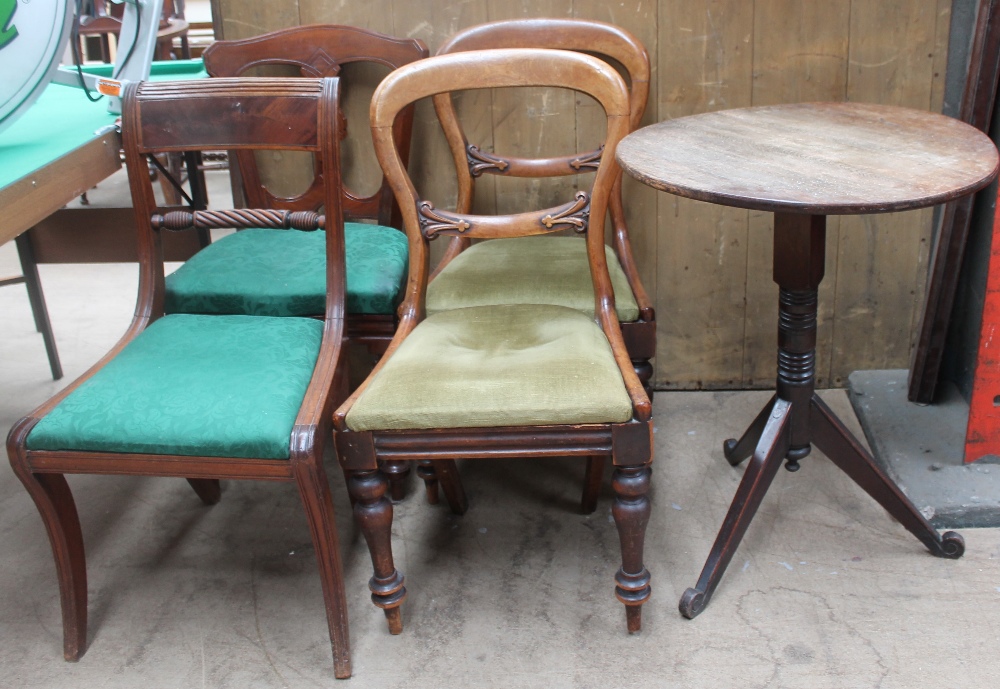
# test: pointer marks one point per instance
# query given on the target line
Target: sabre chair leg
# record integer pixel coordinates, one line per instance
(836, 442)
(736, 451)
(373, 512)
(54, 501)
(592, 483)
(451, 484)
(315, 493)
(398, 473)
(631, 513)
(757, 479)
(425, 470)
(208, 489)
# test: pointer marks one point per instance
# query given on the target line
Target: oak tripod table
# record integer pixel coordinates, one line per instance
(804, 162)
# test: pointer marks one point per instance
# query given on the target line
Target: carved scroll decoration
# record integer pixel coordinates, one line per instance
(239, 218)
(480, 161)
(575, 215)
(591, 160)
(432, 221)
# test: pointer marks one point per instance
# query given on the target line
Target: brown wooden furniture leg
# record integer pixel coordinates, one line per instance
(398, 474)
(58, 510)
(631, 513)
(837, 443)
(796, 417)
(208, 489)
(373, 512)
(315, 492)
(425, 470)
(736, 451)
(29, 269)
(451, 484)
(759, 474)
(592, 484)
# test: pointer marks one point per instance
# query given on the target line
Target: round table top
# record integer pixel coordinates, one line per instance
(816, 158)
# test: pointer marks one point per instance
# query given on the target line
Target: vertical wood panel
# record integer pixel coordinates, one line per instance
(704, 64)
(892, 61)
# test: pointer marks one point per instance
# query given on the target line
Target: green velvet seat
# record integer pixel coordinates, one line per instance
(508, 365)
(527, 270)
(194, 385)
(262, 272)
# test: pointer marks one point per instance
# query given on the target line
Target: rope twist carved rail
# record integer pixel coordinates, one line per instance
(239, 218)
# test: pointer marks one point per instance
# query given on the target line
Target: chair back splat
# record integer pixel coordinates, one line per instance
(205, 396)
(268, 271)
(500, 380)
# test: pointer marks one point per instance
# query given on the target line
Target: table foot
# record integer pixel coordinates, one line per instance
(833, 439)
(736, 451)
(767, 457)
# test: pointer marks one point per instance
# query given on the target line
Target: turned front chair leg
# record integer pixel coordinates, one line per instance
(631, 513)
(373, 512)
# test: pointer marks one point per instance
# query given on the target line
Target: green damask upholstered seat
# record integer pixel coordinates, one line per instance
(219, 386)
(264, 272)
(510, 365)
(527, 270)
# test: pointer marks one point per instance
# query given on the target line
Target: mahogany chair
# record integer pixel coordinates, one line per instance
(204, 397)
(507, 380)
(225, 277)
(547, 269)
(473, 275)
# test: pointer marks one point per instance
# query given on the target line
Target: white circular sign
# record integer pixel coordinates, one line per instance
(33, 36)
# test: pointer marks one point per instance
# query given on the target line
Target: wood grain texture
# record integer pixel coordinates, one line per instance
(705, 63)
(57, 183)
(881, 273)
(701, 263)
(813, 158)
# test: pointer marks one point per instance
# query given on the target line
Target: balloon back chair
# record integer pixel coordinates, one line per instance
(547, 269)
(205, 397)
(473, 275)
(507, 380)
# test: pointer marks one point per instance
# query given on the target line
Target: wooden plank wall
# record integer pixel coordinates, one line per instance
(709, 268)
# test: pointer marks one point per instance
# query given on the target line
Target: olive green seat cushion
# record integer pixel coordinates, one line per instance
(508, 365)
(218, 386)
(262, 272)
(527, 270)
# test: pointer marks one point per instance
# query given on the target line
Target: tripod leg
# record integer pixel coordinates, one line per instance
(738, 450)
(837, 443)
(757, 479)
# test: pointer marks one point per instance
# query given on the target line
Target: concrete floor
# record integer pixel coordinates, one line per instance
(826, 591)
